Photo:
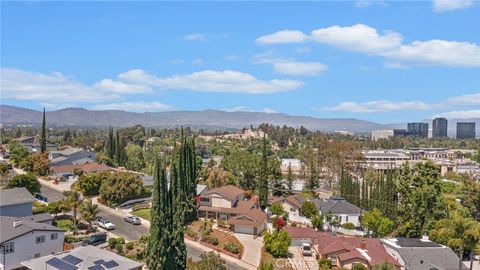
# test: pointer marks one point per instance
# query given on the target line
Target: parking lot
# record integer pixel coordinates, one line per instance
(301, 262)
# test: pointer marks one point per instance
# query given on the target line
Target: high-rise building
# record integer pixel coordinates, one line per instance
(418, 129)
(382, 134)
(439, 128)
(400, 133)
(465, 130)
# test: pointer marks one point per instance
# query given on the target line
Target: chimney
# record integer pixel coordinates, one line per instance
(363, 244)
(17, 223)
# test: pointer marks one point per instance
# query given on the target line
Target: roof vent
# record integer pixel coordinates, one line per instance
(17, 223)
(425, 238)
(363, 244)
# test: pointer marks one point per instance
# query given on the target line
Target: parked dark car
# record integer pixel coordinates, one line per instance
(40, 197)
(95, 239)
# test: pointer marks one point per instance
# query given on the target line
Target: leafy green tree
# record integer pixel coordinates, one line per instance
(308, 209)
(89, 184)
(43, 135)
(420, 202)
(135, 159)
(277, 243)
(376, 223)
(40, 163)
(318, 222)
(211, 261)
(17, 152)
(277, 209)
(89, 212)
(266, 266)
(73, 201)
(28, 181)
(458, 231)
(3, 169)
(471, 196)
(120, 187)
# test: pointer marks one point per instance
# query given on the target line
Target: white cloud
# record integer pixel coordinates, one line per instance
(283, 36)
(51, 88)
(299, 68)
(435, 53)
(245, 109)
(121, 87)
(227, 81)
(363, 38)
(460, 114)
(449, 5)
(471, 99)
(369, 3)
(359, 37)
(196, 37)
(378, 106)
(140, 106)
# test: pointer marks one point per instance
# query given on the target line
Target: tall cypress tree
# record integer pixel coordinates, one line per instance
(177, 205)
(110, 144)
(263, 189)
(43, 135)
(290, 179)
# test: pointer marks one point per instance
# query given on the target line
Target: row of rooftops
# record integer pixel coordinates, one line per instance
(335, 205)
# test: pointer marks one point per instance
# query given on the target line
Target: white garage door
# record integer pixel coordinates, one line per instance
(243, 229)
(299, 241)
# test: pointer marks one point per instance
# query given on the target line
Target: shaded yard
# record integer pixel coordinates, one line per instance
(143, 213)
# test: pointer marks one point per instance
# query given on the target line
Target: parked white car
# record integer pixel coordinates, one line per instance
(306, 249)
(106, 224)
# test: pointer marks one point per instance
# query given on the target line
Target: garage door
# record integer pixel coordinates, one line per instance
(243, 229)
(299, 241)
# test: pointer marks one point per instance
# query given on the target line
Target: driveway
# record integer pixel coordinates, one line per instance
(252, 252)
(301, 262)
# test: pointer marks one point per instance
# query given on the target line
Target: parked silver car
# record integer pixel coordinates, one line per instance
(133, 219)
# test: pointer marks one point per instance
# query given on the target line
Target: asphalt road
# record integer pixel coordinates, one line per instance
(129, 231)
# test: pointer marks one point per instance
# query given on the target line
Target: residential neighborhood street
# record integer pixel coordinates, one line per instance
(132, 232)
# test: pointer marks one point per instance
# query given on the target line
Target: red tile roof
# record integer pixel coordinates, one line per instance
(87, 167)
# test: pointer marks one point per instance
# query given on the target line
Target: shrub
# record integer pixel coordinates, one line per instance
(232, 248)
(119, 247)
(190, 232)
(121, 240)
(211, 239)
(277, 243)
(140, 207)
(348, 226)
(129, 245)
(358, 266)
(112, 242)
(294, 224)
(324, 264)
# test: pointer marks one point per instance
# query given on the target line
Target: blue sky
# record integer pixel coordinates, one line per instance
(374, 60)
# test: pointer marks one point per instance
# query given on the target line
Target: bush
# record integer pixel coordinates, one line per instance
(121, 240)
(358, 266)
(324, 264)
(190, 232)
(348, 226)
(211, 239)
(129, 245)
(277, 243)
(119, 248)
(112, 242)
(120, 187)
(232, 248)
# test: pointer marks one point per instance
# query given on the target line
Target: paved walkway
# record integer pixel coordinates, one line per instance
(252, 252)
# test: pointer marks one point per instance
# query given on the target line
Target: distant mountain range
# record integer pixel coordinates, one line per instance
(208, 119)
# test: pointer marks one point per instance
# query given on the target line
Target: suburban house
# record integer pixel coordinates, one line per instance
(67, 171)
(300, 235)
(228, 203)
(32, 143)
(71, 156)
(348, 251)
(83, 258)
(421, 254)
(24, 239)
(16, 202)
(335, 205)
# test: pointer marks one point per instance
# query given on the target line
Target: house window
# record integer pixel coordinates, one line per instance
(346, 219)
(334, 260)
(40, 239)
(292, 209)
(37, 255)
(54, 236)
(204, 199)
(7, 248)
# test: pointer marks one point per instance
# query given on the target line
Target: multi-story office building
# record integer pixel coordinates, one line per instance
(400, 133)
(465, 130)
(439, 126)
(418, 129)
(382, 134)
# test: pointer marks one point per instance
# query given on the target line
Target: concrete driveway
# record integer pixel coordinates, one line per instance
(252, 252)
(301, 262)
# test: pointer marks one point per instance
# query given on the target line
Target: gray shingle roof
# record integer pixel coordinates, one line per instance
(14, 196)
(89, 256)
(336, 206)
(429, 258)
(9, 231)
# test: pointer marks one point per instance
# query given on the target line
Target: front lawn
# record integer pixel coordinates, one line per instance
(65, 224)
(143, 213)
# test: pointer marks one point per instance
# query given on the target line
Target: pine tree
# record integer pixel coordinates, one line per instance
(290, 179)
(263, 188)
(43, 135)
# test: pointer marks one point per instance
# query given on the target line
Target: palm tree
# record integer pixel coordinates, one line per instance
(89, 212)
(74, 201)
(458, 231)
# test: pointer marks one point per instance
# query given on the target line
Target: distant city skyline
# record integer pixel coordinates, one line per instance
(373, 60)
